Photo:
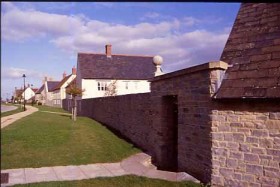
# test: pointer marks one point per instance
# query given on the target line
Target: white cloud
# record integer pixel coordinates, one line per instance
(190, 21)
(179, 48)
(150, 15)
(18, 25)
(16, 73)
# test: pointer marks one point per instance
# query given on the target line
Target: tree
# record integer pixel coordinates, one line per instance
(111, 89)
(74, 91)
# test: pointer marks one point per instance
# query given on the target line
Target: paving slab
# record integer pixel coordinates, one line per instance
(115, 169)
(69, 173)
(95, 170)
(182, 176)
(133, 167)
(40, 174)
(158, 174)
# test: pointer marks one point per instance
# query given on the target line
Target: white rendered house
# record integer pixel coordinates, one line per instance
(40, 95)
(101, 75)
(28, 93)
(59, 92)
(48, 91)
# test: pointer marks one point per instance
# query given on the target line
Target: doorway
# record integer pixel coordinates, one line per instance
(170, 121)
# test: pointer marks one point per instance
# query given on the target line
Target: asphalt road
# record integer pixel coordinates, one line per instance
(5, 108)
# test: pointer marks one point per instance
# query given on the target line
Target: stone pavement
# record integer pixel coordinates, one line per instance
(7, 120)
(138, 164)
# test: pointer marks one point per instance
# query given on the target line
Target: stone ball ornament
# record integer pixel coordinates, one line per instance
(157, 60)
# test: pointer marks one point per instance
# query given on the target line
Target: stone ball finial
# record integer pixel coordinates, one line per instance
(157, 60)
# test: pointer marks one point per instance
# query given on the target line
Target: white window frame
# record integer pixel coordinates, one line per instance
(102, 85)
(126, 85)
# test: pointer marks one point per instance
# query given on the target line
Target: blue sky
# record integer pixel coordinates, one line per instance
(43, 38)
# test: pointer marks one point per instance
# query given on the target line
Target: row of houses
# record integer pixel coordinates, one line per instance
(99, 75)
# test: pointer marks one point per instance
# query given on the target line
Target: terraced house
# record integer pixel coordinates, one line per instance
(59, 92)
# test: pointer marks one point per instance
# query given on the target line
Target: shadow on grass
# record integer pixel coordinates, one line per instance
(122, 136)
(64, 115)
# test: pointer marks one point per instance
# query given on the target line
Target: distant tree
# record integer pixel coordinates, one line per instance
(111, 89)
(74, 91)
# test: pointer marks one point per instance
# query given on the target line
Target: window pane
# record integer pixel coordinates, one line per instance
(126, 85)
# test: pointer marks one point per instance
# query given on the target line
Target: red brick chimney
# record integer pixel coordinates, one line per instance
(74, 71)
(64, 75)
(108, 50)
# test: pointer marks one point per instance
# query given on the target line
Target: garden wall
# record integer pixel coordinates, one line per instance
(172, 123)
(230, 142)
(130, 115)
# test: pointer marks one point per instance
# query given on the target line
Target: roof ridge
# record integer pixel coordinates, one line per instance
(89, 53)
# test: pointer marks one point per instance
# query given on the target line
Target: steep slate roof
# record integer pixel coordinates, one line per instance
(253, 50)
(34, 89)
(61, 83)
(52, 85)
(99, 66)
(40, 89)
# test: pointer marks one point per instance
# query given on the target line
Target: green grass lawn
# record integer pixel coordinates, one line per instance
(46, 139)
(48, 108)
(122, 181)
(19, 109)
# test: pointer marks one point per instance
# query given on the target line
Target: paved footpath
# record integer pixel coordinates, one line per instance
(138, 164)
(7, 120)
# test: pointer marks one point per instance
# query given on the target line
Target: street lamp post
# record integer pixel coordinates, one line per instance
(24, 92)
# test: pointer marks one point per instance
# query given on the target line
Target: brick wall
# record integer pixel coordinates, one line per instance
(246, 143)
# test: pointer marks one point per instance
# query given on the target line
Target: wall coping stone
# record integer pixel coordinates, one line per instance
(206, 66)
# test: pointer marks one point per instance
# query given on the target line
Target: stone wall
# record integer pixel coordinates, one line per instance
(172, 123)
(193, 88)
(226, 142)
(130, 115)
(246, 143)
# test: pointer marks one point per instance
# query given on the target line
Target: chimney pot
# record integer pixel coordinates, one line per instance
(108, 50)
(64, 75)
(74, 71)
